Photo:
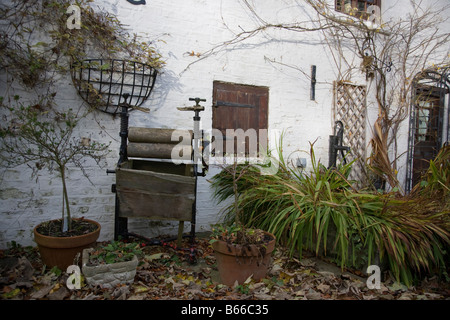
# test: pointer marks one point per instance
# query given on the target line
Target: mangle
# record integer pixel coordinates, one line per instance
(151, 181)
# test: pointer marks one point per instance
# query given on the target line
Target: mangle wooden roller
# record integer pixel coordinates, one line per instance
(158, 143)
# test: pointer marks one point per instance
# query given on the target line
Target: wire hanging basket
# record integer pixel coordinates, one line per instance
(103, 82)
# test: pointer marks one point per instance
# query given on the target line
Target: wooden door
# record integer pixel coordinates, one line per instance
(238, 106)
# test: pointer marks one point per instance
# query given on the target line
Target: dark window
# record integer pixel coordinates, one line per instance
(244, 107)
(357, 8)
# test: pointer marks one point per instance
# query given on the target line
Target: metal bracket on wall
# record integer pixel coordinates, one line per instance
(313, 82)
(231, 104)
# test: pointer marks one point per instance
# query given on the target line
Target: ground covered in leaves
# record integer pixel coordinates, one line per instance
(164, 273)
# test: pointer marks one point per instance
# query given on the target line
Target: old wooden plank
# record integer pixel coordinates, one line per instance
(158, 166)
(154, 205)
(148, 180)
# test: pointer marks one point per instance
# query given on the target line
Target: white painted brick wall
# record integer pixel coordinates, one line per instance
(185, 26)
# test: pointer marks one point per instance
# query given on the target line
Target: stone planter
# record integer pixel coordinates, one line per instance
(108, 275)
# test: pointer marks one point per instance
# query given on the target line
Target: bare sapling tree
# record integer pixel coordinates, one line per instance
(45, 138)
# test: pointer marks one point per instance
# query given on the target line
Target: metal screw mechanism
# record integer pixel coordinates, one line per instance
(124, 115)
(197, 134)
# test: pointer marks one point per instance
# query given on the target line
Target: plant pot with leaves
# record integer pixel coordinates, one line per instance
(43, 137)
(111, 264)
(240, 252)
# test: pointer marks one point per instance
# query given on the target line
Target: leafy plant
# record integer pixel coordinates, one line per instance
(116, 251)
(243, 288)
(236, 232)
(379, 162)
(221, 232)
(436, 181)
(237, 235)
(322, 211)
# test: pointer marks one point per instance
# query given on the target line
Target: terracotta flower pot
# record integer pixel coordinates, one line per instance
(237, 263)
(61, 251)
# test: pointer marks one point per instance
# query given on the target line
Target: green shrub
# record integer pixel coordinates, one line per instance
(115, 251)
(322, 211)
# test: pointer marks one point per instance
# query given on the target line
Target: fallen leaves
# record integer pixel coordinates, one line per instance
(165, 274)
(41, 293)
(323, 288)
(9, 293)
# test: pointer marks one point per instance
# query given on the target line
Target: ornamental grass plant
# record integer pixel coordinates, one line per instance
(322, 211)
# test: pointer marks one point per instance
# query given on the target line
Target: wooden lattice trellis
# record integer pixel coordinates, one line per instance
(350, 108)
